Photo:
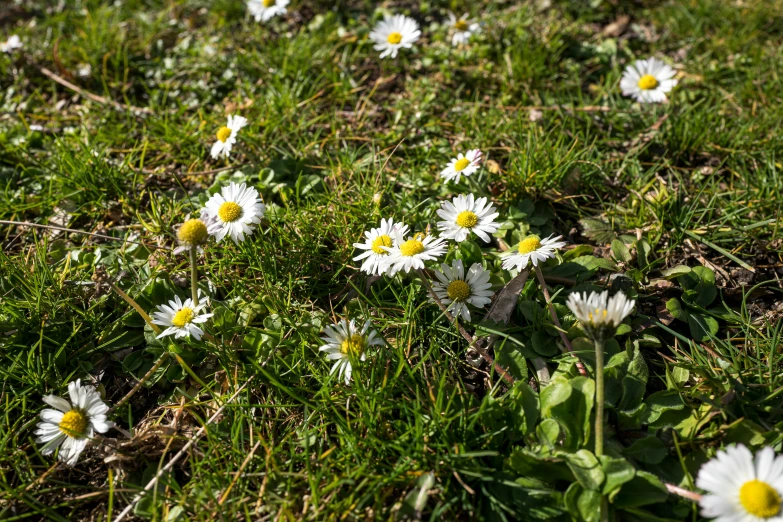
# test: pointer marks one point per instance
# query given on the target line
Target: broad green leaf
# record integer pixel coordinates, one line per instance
(617, 472)
(650, 450)
(644, 489)
(587, 469)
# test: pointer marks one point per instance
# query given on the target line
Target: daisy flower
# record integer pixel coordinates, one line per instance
(457, 291)
(393, 33)
(194, 233)
(181, 318)
(344, 341)
(71, 426)
(532, 249)
(465, 214)
(235, 209)
(227, 136)
(462, 29)
(741, 488)
(13, 43)
(648, 81)
(599, 314)
(411, 253)
(463, 165)
(377, 238)
(265, 10)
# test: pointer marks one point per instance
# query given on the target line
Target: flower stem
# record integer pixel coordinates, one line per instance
(599, 398)
(135, 305)
(194, 274)
(566, 342)
(163, 358)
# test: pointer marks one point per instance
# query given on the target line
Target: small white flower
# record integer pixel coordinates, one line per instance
(71, 426)
(462, 29)
(532, 249)
(13, 43)
(265, 10)
(648, 81)
(393, 33)
(740, 488)
(227, 136)
(236, 208)
(84, 70)
(343, 341)
(194, 233)
(413, 252)
(599, 314)
(465, 214)
(457, 291)
(377, 238)
(181, 318)
(463, 165)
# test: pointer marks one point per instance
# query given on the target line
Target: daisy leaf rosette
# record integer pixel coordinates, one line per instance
(457, 290)
(343, 342)
(71, 425)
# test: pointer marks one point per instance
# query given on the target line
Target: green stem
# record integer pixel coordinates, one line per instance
(599, 398)
(135, 305)
(194, 274)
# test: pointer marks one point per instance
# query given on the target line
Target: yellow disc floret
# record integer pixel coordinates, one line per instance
(461, 164)
(467, 219)
(458, 290)
(229, 211)
(355, 344)
(529, 244)
(461, 25)
(411, 247)
(74, 423)
(193, 232)
(760, 499)
(647, 82)
(223, 134)
(268, 3)
(599, 316)
(394, 38)
(381, 241)
(183, 317)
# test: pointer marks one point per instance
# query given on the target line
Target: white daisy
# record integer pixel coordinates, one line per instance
(464, 215)
(235, 208)
(742, 489)
(13, 43)
(458, 291)
(344, 341)
(71, 426)
(265, 10)
(181, 318)
(648, 81)
(462, 29)
(375, 240)
(411, 253)
(599, 314)
(532, 249)
(227, 136)
(194, 233)
(393, 33)
(463, 165)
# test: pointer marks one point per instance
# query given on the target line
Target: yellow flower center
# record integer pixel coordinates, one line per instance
(467, 219)
(229, 211)
(394, 38)
(760, 499)
(461, 25)
(183, 317)
(647, 82)
(411, 247)
(193, 232)
(223, 134)
(381, 241)
(74, 423)
(529, 244)
(598, 315)
(461, 164)
(458, 290)
(269, 3)
(355, 344)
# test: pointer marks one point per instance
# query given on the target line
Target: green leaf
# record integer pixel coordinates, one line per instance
(577, 251)
(587, 469)
(509, 356)
(644, 489)
(548, 432)
(544, 344)
(620, 251)
(583, 504)
(617, 472)
(661, 402)
(676, 271)
(650, 450)
(702, 281)
(703, 327)
(470, 252)
(675, 308)
(569, 402)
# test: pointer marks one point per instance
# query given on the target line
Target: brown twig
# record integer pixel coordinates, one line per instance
(64, 229)
(94, 97)
(566, 342)
(471, 339)
(163, 358)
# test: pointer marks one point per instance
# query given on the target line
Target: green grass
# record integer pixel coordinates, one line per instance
(338, 139)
